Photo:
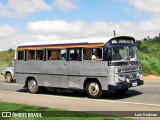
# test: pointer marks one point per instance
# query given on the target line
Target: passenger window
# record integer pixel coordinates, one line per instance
(87, 54)
(56, 54)
(63, 55)
(39, 54)
(20, 55)
(97, 54)
(31, 55)
(74, 54)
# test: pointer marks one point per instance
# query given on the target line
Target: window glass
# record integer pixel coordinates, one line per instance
(39, 54)
(31, 55)
(63, 55)
(20, 55)
(133, 53)
(87, 54)
(74, 54)
(56, 54)
(97, 54)
(119, 53)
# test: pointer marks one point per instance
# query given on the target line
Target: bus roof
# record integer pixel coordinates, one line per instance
(74, 43)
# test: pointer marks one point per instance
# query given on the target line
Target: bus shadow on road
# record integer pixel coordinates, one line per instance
(108, 95)
(111, 95)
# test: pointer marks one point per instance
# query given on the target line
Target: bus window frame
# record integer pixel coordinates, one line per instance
(33, 56)
(79, 54)
(36, 55)
(23, 55)
(92, 51)
(47, 54)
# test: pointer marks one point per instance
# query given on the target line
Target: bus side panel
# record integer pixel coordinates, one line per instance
(47, 73)
(79, 71)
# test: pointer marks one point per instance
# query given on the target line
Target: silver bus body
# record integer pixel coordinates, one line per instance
(107, 74)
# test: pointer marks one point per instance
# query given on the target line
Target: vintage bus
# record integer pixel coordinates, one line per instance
(94, 65)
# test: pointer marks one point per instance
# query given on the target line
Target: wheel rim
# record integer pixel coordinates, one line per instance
(8, 77)
(93, 89)
(32, 85)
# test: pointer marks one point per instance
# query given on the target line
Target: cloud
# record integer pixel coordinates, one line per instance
(21, 8)
(56, 26)
(10, 37)
(59, 29)
(6, 30)
(149, 6)
(65, 5)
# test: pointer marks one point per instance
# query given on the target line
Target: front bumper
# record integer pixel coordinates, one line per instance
(125, 85)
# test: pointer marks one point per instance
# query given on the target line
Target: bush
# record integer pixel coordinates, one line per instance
(150, 65)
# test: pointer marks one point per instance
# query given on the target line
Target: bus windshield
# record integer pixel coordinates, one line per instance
(123, 54)
(119, 53)
(133, 53)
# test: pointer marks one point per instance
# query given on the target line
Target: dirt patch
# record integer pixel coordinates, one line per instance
(151, 77)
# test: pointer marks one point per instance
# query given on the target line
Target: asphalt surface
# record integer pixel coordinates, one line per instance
(142, 98)
(148, 93)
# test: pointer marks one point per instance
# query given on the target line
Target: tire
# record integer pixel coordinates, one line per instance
(94, 90)
(8, 77)
(33, 86)
(121, 92)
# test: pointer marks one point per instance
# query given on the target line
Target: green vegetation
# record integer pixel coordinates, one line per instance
(149, 51)
(6, 57)
(49, 114)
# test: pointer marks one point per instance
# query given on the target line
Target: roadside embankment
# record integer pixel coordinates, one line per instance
(151, 77)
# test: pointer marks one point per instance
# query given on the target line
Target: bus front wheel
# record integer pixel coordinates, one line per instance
(33, 86)
(94, 89)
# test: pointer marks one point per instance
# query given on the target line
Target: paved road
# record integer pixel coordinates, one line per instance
(143, 98)
(148, 93)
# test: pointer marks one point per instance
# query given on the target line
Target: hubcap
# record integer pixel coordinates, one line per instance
(93, 89)
(8, 77)
(32, 85)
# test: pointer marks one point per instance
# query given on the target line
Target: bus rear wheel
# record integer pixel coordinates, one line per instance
(33, 86)
(94, 89)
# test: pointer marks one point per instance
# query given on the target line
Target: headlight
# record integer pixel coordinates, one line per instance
(139, 76)
(121, 78)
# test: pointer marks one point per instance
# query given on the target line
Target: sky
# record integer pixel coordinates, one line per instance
(43, 20)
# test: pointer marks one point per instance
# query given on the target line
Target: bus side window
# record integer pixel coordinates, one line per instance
(57, 54)
(63, 55)
(74, 54)
(31, 55)
(39, 54)
(87, 54)
(97, 54)
(52, 54)
(20, 55)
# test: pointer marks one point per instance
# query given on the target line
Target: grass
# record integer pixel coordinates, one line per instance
(150, 65)
(149, 52)
(50, 113)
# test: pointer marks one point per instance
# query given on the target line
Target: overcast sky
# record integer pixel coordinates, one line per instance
(36, 20)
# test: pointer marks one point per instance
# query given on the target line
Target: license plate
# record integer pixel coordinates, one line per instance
(134, 84)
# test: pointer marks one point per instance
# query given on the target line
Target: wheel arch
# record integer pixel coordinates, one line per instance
(7, 72)
(91, 79)
(29, 78)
